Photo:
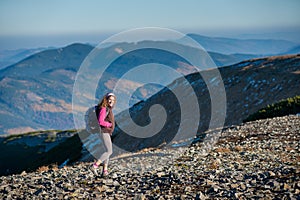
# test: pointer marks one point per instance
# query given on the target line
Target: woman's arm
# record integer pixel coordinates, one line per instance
(102, 116)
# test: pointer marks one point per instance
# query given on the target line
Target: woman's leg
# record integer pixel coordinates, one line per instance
(106, 139)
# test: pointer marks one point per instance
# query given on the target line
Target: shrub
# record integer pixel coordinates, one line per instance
(284, 107)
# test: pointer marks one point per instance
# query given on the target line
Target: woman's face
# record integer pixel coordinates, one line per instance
(111, 101)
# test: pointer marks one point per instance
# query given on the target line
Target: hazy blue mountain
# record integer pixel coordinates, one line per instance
(10, 57)
(68, 57)
(294, 50)
(246, 46)
(213, 44)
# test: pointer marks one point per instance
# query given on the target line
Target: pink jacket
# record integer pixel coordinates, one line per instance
(101, 119)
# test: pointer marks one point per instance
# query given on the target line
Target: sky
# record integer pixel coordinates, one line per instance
(31, 23)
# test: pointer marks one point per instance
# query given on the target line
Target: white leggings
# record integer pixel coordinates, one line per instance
(106, 139)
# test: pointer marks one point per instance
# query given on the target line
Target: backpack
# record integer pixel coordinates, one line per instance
(91, 119)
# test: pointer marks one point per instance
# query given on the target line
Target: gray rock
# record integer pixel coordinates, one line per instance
(253, 160)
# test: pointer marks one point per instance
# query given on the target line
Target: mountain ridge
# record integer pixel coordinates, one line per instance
(263, 47)
(214, 44)
(69, 56)
(10, 57)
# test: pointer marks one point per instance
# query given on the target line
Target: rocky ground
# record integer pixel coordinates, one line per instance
(256, 160)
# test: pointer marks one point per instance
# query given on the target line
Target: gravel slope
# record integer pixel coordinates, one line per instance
(256, 160)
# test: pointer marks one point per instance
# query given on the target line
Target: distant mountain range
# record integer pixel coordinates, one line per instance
(36, 93)
(220, 45)
(294, 50)
(245, 46)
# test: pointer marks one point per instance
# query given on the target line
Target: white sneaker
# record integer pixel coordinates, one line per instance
(94, 170)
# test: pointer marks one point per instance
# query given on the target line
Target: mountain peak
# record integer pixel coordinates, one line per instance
(36, 64)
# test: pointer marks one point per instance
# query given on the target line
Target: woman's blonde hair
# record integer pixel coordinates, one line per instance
(104, 100)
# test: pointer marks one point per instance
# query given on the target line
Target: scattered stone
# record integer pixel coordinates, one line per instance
(256, 160)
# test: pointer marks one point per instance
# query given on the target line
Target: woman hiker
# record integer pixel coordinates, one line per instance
(107, 125)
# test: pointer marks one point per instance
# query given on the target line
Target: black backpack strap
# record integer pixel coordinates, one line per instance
(107, 112)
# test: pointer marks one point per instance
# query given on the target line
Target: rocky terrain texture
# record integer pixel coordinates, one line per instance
(255, 160)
